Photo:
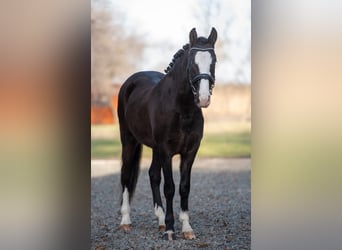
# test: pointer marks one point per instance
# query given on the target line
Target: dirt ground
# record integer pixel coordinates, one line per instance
(219, 207)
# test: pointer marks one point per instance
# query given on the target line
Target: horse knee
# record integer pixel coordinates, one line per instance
(169, 190)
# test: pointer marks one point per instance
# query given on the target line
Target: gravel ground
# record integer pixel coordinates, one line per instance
(219, 203)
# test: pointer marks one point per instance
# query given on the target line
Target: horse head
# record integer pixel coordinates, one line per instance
(201, 66)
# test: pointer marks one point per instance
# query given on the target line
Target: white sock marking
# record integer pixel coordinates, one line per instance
(184, 218)
(125, 209)
(203, 59)
(158, 211)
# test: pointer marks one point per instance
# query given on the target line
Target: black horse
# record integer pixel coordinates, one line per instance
(163, 111)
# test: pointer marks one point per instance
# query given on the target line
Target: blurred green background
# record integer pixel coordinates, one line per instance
(227, 127)
(221, 139)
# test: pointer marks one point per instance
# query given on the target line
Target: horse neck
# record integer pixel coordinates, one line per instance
(179, 76)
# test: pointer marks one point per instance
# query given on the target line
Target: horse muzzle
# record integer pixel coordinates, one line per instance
(203, 101)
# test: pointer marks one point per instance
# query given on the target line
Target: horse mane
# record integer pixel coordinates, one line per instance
(178, 54)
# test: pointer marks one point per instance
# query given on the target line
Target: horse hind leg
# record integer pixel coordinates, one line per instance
(126, 223)
(131, 153)
(169, 191)
(155, 179)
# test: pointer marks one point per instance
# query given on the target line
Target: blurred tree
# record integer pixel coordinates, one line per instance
(211, 13)
(113, 51)
(207, 13)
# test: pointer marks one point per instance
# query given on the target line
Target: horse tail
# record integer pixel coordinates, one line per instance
(131, 148)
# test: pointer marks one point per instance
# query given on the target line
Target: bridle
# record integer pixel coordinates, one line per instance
(200, 76)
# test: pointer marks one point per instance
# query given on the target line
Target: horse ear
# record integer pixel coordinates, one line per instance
(213, 36)
(192, 36)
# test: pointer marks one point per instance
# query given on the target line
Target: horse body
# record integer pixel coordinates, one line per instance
(134, 106)
(164, 113)
(142, 108)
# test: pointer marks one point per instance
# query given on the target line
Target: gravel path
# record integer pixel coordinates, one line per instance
(219, 204)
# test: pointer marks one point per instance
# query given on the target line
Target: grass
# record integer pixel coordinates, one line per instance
(227, 144)
(227, 141)
(105, 148)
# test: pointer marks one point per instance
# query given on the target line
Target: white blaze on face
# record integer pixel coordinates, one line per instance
(125, 209)
(158, 211)
(203, 59)
(184, 218)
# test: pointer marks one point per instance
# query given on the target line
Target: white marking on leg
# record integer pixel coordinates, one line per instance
(125, 209)
(158, 211)
(203, 59)
(184, 218)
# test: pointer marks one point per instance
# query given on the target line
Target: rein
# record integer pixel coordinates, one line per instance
(200, 76)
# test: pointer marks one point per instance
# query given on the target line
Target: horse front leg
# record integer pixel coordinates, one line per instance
(184, 190)
(169, 192)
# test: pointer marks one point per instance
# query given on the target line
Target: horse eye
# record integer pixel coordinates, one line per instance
(194, 67)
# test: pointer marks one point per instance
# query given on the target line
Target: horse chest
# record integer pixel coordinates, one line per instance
(186, 134)
(183, 142)
(186, 123)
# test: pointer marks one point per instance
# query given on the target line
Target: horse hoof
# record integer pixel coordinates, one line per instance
(162, 228)
(189, 235)
(126, 227)
(169, 235)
